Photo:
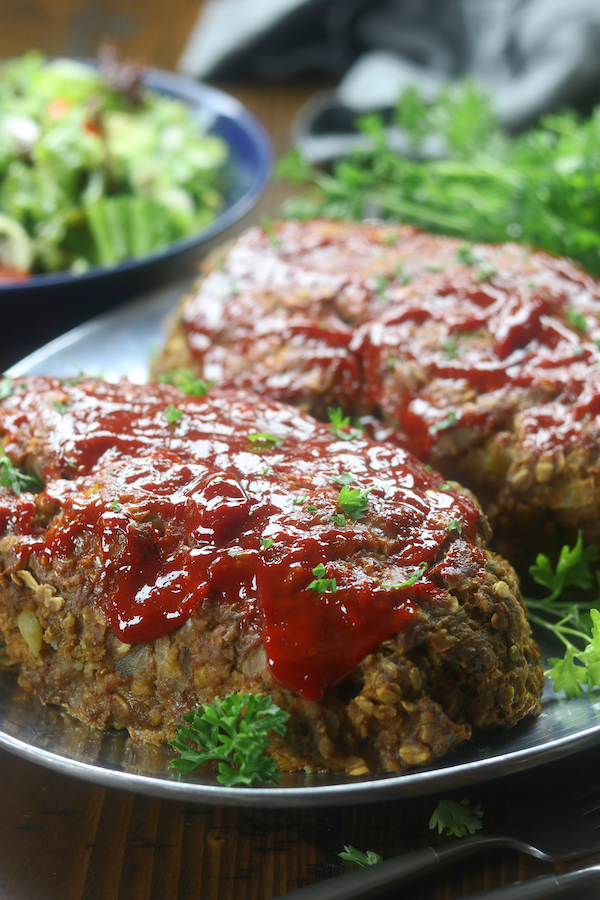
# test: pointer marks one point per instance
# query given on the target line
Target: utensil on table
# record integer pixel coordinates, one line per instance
(543, 887)
(555, 829)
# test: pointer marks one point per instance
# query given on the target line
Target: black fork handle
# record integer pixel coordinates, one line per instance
(362, 884)
(543, 887)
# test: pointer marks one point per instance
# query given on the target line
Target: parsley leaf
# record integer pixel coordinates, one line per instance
(450, 349)
(339, 422)
(448, 422)
(5, 389)
(269, 230)
(320, 583)
(262, 437)
(62, 408)
(458, 819)
(173, 414)
(454, 525)
(485, 272)
(12, 477)
(351, 854)
(465, 255)
(115, 506)
(576, 318)
(344, 478)
(186, 381)
(569, 621)
(339, 519)
(354, 501)
(267, 543)
(234, 732)
(416, 575)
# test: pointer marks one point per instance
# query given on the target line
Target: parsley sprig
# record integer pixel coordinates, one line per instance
(340, 426)
(320, 583)
(233, 731)
(576, 623)
(12, 477)
(351, 854)
(539, 187)
(186, 381)
(354, 501)
(458, 819)
(412, 579)
(261, 437)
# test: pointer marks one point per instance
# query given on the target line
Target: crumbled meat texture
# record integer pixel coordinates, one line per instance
(465, 662)
(486, 358)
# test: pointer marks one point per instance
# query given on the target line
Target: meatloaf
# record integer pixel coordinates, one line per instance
(159, 550)
(486, 358)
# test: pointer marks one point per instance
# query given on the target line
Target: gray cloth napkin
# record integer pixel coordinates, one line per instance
(533, 55)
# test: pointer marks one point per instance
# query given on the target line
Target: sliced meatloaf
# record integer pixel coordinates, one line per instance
(485, 357)
(159, 550)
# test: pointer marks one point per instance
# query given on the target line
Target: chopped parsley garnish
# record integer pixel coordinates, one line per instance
(351, 854)
(465, 255)
(186, 381)
(115, 506)
(267, 543)
(173, 414)
(343, 478)
(312, 509)
(300, 500)
(320, 583)
(449, 348)
(448, 422)
(61, 408)
(485, 272)
(13, 478)
(354, 501)
(339, 519)
(576, 318)
(269, 230)
(381, 286)
(454, 525)
(458, 819)
(233, 731)
(5, 388)
(340, 422)
(402, 276)
(413, 578)
(263, 438)
(446, 487)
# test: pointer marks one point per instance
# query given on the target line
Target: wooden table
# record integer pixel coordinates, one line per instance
(65, 839)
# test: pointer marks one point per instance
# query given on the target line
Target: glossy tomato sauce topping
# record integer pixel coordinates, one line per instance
(323, 542)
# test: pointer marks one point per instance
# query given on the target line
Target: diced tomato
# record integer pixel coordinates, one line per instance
(92, 127)
(7, 274)
(58, 108)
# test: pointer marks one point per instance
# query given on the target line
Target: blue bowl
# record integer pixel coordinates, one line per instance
(64, 299)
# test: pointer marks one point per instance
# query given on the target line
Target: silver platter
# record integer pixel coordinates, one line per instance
(121, 343)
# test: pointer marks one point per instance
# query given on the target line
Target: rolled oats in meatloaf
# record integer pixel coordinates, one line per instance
(485, 357)
(179, 548)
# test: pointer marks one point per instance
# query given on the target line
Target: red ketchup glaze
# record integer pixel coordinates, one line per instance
(379, 314)
(183, 514)
(539, 341)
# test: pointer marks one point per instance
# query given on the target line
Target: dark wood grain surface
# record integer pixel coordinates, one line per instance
(65, 839)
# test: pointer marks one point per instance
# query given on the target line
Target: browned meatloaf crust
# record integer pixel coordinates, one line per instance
(485, 357)
(169, 557)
